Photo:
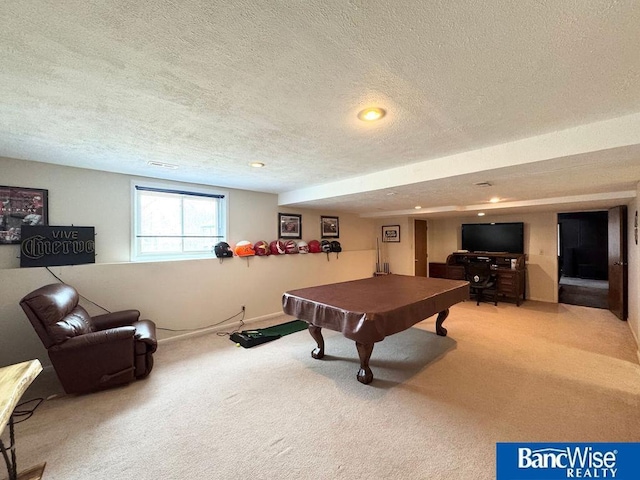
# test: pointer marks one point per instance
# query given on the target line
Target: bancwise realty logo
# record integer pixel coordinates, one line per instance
(546, 461)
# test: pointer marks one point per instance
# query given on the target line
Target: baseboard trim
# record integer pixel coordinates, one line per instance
(635, 337)
(218, 328)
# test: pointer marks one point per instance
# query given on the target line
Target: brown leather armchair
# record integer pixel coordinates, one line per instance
(90, 353)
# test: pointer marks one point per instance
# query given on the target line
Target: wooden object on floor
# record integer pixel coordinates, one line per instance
(14, 381)
(34, 473)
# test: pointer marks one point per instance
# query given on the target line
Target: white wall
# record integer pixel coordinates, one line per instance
(176, 294)
(399, 255)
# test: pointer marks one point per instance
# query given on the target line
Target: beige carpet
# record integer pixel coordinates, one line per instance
(435, 410)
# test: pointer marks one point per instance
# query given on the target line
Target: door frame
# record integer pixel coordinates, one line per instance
(420, 238)
(617, 259)
(618, 262)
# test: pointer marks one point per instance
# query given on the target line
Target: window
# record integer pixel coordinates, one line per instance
(173, 224)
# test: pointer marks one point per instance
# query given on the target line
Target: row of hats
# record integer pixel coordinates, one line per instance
(277, 247)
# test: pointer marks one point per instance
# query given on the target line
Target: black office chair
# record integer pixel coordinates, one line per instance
(482, 279)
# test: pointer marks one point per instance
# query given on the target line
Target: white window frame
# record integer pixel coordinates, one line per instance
(223, 213)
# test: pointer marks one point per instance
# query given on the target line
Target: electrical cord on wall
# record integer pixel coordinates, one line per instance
(225, 334)
(84, 298)
(209, 326)
(242, 312)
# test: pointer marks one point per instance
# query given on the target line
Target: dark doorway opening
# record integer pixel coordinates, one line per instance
(583, 259)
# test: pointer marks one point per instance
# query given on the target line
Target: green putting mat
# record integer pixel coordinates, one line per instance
(251, 338)
(284, 328)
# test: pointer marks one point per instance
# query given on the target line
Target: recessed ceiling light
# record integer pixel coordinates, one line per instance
(257, 164)
(371, 114)
(481, 214)
(390, 194)
(494, 200)
(153, 163)
(417, 207)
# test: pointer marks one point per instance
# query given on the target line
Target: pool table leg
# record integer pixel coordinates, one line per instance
(440, 330)
(365, 375)
(316, 333)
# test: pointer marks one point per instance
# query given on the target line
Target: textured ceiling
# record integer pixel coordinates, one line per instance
(520, 94)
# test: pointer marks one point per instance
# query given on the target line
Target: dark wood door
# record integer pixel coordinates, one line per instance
(420, 242)
(618, 289)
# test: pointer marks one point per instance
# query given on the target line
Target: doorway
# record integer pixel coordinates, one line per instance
(592, 260)
(420, 247)
(582, 259)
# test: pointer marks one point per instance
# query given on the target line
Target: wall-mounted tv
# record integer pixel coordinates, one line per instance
(493, 237)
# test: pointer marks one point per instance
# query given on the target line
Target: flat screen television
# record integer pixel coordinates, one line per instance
(493, 237)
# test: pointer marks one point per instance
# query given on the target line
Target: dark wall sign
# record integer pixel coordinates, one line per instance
(47, 246)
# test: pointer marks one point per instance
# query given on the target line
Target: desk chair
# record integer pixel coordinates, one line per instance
(482, 279)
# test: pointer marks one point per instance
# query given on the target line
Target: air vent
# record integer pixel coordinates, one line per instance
(483, 184)
(170, 166)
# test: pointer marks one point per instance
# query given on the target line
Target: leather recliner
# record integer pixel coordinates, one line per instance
(90, 353)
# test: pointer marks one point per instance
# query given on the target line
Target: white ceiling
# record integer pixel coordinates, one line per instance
(539, 98)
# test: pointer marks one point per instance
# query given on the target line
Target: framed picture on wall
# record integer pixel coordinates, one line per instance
(391, 233)
(21, 206)
(329, 227)
(289, 225)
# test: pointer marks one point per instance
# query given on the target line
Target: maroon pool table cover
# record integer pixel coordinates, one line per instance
(369, 309)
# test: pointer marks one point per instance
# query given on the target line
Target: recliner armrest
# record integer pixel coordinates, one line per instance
(115, 319)
(146, 332)
(110, 335)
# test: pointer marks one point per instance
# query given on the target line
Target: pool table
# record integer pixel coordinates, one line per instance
(370, 309)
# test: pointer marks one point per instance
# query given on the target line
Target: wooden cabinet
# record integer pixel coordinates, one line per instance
(437, 270)
(442, 270)
(455, 272)
(510, 268)
(511, 283)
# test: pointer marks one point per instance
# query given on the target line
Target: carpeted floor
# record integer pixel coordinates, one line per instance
(435, 410)
(584, 292)
(585, 282)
